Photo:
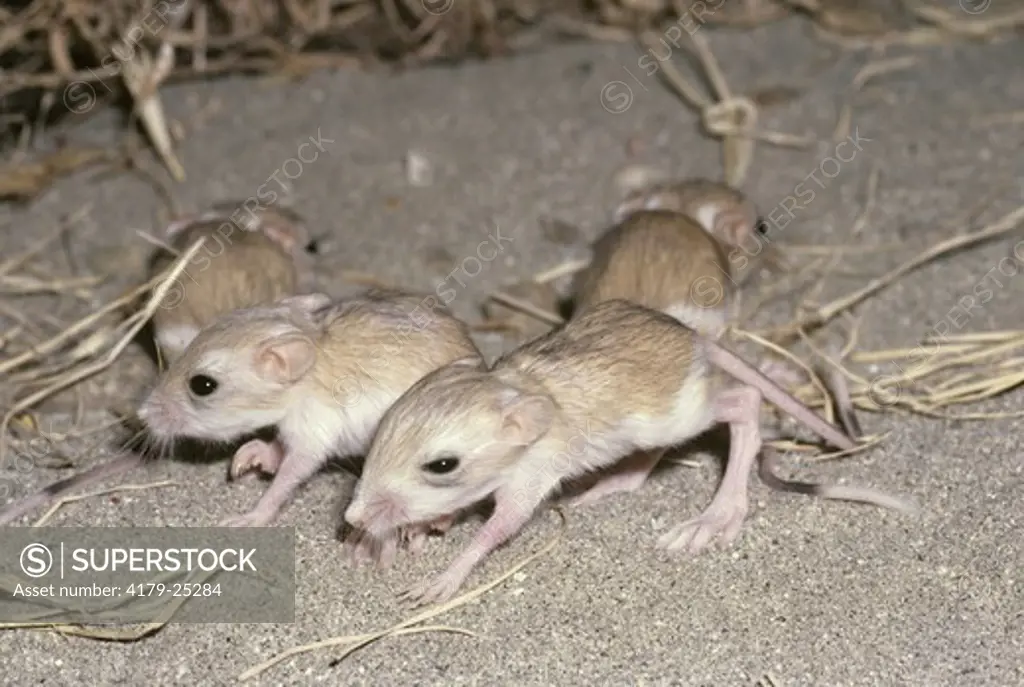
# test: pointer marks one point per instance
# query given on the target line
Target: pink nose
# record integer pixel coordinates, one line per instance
(149, 412)
(355, 515)
(160, 417)
(378, 512)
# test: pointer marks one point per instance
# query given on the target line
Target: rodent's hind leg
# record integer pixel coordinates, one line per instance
(266, 456)
(629, 475)
(740, 408)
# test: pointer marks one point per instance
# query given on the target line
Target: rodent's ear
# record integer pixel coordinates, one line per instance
(307, 303)
(279, 232)
(525, 417)
(629, 204)
(732, 227)
(285, 359)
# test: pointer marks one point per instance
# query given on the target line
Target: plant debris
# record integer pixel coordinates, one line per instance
(55, 52)
(45, 41)
(24, 181)
(353, 643)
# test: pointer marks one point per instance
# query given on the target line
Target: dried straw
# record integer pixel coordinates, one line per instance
(353, 643)
(48, 46)
(99, 354)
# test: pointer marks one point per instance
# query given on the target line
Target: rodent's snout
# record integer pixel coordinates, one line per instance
(159, 416)
(148, 411)
(355, 515)
(375, 513)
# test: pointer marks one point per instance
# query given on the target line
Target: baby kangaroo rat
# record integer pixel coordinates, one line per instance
(664, 260)
(261, 261)
(723, 211)
(617, 378)
(322, 371)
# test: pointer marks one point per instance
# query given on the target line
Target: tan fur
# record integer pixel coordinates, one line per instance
(617, 379)
(459, 408)
(323, 372)
(235, 268)
(237, 336)
(388, 338)
(583, 361)
(459, 397)
(697, 198)
(662, 260)
(368, 344)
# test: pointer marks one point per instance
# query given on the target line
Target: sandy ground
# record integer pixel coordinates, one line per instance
(814, 593)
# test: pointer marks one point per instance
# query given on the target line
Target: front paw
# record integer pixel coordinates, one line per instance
(435, 590)
(415, 538)
(363, 548)
(256, 455)
(251, 519)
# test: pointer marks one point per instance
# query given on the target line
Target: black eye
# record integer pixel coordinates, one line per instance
(442, 466)
(761, 227)
(313, 246)
(201, 385)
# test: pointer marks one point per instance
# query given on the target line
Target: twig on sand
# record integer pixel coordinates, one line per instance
(357, 642)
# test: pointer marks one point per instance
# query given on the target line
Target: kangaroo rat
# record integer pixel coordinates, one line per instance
(723, 211)
(616, 379)
(322, 371)
(663, 260)
(261, 261)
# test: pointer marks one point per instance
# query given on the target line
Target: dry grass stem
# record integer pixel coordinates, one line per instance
(526, 308)
(359, 641)
(163, 611)
(65, 500)
(1004, 225)
(731, 118)
(970, 27)
(811, 374)
(566, 269)
(142, 77)
(25, 180)
(159, 285)
(860, 79)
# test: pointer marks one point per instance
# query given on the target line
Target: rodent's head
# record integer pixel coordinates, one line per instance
(283, 226)
(445, 445)
(238, 374)
(724, 212)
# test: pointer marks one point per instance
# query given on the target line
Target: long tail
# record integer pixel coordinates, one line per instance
(835, 492)
(836, 384)
(91, 476)
(735, 366)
